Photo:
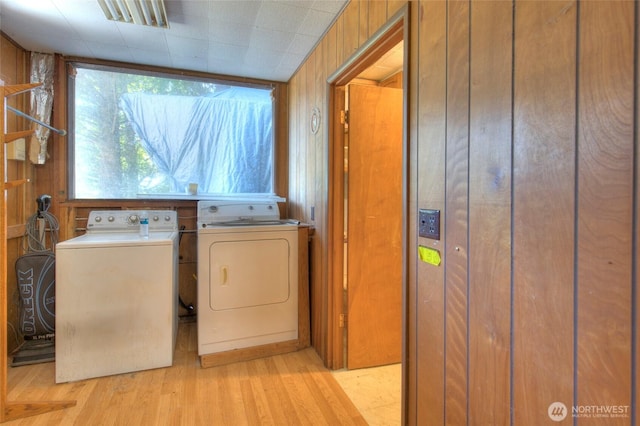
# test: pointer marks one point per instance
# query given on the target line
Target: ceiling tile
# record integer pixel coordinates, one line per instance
(190, 62)
(261, 39)
(184, 46)
(145, 38)
(104, 32)
(198, 8)
(196, 27)
(270, 40)
(111, 52)
(230, 32)
(241, 12)
(301, 44)
(228, 53)
(315, 23)
(279, 16)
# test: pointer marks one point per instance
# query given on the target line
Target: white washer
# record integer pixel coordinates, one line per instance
(117, 296)
(247, 275)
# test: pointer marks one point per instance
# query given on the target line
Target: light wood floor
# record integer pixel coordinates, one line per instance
(290, 389)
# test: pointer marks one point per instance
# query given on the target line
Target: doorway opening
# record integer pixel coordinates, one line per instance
(368, 208)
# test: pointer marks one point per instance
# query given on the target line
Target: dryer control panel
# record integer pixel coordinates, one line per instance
(237, 211)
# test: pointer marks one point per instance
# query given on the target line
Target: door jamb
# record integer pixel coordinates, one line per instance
(394, 31)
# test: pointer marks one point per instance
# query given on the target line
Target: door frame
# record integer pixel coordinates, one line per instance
(393, 32)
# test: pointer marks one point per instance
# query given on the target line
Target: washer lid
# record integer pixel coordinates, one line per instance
(124, 239)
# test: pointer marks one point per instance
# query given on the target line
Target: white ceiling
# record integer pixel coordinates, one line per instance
(264, 39)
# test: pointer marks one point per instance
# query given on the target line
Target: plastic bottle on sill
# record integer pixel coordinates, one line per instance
(144, 225)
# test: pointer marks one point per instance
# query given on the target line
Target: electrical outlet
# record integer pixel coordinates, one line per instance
(429, 223)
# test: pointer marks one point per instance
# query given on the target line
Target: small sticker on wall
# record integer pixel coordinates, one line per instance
(429, 255)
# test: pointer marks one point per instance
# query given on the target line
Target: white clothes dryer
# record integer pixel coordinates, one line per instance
(247, 275)
(117, 296)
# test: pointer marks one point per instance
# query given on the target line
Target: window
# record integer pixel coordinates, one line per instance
(150, 135)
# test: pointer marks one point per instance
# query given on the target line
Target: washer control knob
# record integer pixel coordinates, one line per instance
(98, 219)
(156, 218)
(111, 218)
(167, 218)
(133, 219)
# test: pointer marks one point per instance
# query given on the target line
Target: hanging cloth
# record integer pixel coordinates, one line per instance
(42, 67)
(223, 141)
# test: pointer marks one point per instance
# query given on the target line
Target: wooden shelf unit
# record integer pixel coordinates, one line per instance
(18, 409)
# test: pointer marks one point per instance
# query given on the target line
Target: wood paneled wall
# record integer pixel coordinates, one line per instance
(522, 130)
(14, 69)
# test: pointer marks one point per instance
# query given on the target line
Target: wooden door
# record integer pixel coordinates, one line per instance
(374, 226)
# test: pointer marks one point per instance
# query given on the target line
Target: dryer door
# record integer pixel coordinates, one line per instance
(248, 288)
(248, 273)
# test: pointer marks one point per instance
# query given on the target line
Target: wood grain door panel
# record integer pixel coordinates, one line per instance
(374, 227)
